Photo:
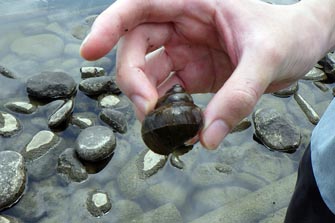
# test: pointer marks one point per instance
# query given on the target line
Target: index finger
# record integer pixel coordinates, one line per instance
(121, 17)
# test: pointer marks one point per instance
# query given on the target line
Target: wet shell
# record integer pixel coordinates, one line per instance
(175, 120)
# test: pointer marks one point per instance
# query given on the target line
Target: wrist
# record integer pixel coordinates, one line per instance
(324, 16)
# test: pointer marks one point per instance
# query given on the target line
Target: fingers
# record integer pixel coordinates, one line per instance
(234, 101)
(121, 17)
(137, 78)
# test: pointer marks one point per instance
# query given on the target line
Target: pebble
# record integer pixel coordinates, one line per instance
(40, 144)
(98, 203)
(99, 85)
(287, 92)
(5, 72)
(148, 163)
(315, 74)
(275, 130)
(9, 125)
(242, 125)
(12, 178)
(21, 107)
(51, 85)
(61, 115)
(70, 168)
(39, 47)
(95, 143)
(309, 111)
(83, 120)
(88, 72)
(106, 101)
(115, 119)
(8, 219)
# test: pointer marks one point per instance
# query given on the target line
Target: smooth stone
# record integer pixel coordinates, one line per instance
(83, 120)
(315, 74)
(98, 203)
(106, 101)
(149, 163)
(61, 115)
(165, 192)
(176, 161)
(40, 144)
(242, 125)
(254, 206)
(21, 107)
(309, 111)
(95, 143)
(40, 47)
(7, 73)
(126, 210)
(323, 87)
(115, 119)
(12, 178)
(167, 213)
(70, 168)
(51, 85)
(99, 85)
(287, 92)
(9, 219)
(104, 62)
(88, 72)
(208, 199)
(9, 125)
(275, 130)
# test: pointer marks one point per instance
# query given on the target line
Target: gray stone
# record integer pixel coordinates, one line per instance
(176, 161)
(98, 203)
(287, 92)
(7, 73)
(99, 85)
(126, 210)
(165, 192)
(315, 74)
(70, 168)
(275, 130)
(40, 47)
(12, 178)
(309, 111)
(115, 119)
(40, 144)
(108, 101)
(242, 125)
(9, 125)
(88, 72)
(61, 115)
(167, 213)
(51, 85)
(95, 143)
(83, 120)
(21, 107)
(255, 206)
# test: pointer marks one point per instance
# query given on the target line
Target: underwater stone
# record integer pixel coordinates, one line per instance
(5, 72)
(51, 85)
(95, 143)
(98, 203)
(309, 111)
(83, 120)
(9, 125)
(8, 219)
(106, 101)
(61, 115)
(315, 74)
(90, 72)
(21, 107)
(115, 119)
(287, 92)
(12, 178)
(148, 163)
(99, 85)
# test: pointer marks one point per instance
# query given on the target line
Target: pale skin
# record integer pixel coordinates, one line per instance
(237, 49)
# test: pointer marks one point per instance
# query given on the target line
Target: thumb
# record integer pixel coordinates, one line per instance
(234, 101)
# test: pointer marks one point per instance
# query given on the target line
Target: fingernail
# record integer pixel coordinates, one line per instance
(214, 134)
(141, 103)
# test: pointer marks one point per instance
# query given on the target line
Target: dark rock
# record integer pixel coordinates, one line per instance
(5, 72)
(89, 72)
(99, 85)
(242, 125)
(148, 163)
(287, 92)
(98, 203)
(12, 178)
(115, 119)
(51, 85)
(275, 130)
(61, 115)
(70, 168)
(95, 143)
(309, 111)
(83, 120)
(176, 161)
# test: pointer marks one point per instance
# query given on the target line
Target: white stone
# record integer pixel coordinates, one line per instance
(99, 199)
(41, 138)
(4, 220)
(109, 100)
(151, 159)
(10, 123)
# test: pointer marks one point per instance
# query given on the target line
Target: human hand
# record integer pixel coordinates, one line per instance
(237, 49)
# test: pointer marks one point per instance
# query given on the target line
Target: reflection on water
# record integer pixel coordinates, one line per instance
(210, 180)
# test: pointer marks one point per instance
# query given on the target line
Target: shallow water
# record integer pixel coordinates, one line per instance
(198, 187)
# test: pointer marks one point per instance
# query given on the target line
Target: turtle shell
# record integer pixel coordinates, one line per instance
(172, 123)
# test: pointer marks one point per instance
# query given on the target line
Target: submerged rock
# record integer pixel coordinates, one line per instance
(83, 120)
(90, 72)
(51, 85)
(12, 178)
(21, 107)
(99, 85)
(5, 72)
(148, 163)
(275, 130)
(115, 119)
(309, 111)
(9, 125)
(287, 92)
(95, 143)
(98, 203)
(61, 115)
